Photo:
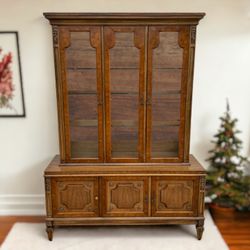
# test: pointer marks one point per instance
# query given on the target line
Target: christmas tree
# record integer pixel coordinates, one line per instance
(226, 184)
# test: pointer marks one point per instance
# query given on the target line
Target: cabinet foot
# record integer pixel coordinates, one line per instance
(199, 228)
(49, 230)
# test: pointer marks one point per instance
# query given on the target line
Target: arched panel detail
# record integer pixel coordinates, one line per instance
(175, 196)
(125, 196)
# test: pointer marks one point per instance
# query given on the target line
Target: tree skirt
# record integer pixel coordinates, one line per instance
(32, 236)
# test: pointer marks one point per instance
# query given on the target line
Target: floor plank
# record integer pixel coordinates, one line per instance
(6, 223)
(235, 230)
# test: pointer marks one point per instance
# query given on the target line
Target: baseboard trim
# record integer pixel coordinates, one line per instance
(25, 204)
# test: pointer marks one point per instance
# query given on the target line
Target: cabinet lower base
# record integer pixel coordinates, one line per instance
(51, 223)
(109, 195)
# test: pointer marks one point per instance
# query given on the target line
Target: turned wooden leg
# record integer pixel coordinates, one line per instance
(49, 230)
(199, 228)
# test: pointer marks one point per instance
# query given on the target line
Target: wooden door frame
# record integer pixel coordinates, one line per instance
(183, 40)
(62, 92)
(140, 44)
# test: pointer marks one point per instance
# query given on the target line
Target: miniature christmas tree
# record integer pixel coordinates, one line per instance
(226, 184)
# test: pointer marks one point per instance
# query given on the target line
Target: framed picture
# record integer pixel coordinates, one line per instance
(11, 87)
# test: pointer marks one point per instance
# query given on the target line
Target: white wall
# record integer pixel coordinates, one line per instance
(222, 69)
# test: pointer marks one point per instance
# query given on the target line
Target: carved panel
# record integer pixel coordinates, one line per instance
(174, 196)
(76, 196)
(125, 196)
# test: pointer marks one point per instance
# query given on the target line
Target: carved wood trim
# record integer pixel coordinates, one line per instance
(202, 183)
(55, 34)
(48, 196)
(202, 195)
(48, 185)
(193, 35)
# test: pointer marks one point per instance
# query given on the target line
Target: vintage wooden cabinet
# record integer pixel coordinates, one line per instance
(124, 91)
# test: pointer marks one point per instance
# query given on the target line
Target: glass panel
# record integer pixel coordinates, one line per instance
(82, 96)
(166, 96)
(124, 85)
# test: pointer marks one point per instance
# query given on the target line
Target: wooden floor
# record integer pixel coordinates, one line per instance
(235, 230)
(6, 223)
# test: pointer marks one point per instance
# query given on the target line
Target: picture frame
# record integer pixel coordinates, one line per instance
(11, 84)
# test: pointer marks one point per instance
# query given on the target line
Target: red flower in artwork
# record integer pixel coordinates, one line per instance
(6, 84)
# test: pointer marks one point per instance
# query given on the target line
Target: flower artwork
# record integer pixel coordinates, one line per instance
(11, 92)
(6, 84)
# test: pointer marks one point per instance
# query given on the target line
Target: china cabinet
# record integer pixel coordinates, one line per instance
(124, 91)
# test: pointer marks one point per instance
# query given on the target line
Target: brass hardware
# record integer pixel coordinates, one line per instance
(96, 198)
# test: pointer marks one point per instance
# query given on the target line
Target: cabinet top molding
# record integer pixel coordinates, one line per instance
(161, 17)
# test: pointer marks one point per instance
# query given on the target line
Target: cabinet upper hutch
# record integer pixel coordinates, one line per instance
(124, 91)
(124, 85)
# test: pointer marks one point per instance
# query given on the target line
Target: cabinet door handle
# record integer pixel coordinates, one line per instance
(96, 198)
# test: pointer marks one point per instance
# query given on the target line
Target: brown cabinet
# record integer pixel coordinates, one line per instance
(124, 90)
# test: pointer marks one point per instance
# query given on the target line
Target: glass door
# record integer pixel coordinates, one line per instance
(124, 58)
(166, 99)
(82, 87)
